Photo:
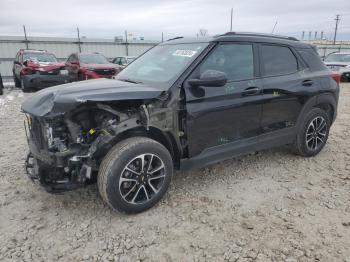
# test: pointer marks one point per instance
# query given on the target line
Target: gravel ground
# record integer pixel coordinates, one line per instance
(267, 206)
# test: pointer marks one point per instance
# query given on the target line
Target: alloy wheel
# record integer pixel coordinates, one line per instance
(316, 133)
(142, 178)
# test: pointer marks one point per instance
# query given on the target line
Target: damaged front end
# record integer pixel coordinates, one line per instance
(65, 150)
(67, 141)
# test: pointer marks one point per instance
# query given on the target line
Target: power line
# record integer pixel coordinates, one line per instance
(337, 19)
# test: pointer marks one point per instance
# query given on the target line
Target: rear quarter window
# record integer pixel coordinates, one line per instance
(312, 59)
(278, 60)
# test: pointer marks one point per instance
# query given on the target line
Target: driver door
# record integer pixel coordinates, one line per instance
(225, 116)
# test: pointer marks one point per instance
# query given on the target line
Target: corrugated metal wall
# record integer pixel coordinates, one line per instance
(63, 47)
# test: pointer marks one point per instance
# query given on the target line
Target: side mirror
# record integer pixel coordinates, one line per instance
(212, 78)
(16, 62)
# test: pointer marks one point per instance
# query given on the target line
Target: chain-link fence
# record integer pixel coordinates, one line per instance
(325, 50)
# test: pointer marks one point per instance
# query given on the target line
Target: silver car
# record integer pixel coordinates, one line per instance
(339, 62)
(123, 61)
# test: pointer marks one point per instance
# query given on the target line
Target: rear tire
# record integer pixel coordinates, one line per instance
(313, 133)
(135, 174)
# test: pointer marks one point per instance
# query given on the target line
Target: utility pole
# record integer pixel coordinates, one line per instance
(303, 35)
(274, 27)
(337, 19)
(231, 19)
(126, 42)
(309, 35)
(25, 36)
(321, 35)
(162, 37)
(79, 46)
(315, 36)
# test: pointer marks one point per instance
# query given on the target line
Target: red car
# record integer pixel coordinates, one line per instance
(38, 69)
(84, 66)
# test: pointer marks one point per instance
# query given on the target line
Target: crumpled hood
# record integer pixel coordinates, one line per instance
(63, 98)
(45, 66)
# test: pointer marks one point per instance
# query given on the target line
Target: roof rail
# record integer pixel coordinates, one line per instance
(259, 34)
(178, 37)
(27, 49)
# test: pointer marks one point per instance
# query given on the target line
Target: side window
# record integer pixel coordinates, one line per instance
(278, 60)
(123, 62)
(236, 60)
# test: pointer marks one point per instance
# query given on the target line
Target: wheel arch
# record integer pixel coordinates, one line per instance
(162, 137)
(326, 102)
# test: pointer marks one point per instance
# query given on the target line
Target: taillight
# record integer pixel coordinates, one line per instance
(336, 77)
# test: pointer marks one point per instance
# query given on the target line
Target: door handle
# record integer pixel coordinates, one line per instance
(250, 91)
(308, 83)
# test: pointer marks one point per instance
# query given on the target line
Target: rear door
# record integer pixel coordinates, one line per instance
(286, 87)
(226, 114)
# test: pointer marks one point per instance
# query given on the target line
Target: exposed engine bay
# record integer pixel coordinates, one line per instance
(66, 149)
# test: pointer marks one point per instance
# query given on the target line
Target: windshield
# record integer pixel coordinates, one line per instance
(338, 58)
(40, 57)
(162, 64)
(93, 59)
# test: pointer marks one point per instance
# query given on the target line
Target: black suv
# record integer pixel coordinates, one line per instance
(185, 103)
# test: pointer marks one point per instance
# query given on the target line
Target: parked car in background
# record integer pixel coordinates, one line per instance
(123, 61)
(84, 66)
(339, 62)
(38, 69)
(185, 103)
(1, 86)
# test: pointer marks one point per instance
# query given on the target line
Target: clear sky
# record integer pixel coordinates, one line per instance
(148, 18)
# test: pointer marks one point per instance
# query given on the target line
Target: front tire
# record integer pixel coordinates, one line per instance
(24, 86)
(17, 81)
(1, 86)
(135, 174)
(313, 133)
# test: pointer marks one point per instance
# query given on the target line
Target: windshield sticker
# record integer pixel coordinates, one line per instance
(186, 53)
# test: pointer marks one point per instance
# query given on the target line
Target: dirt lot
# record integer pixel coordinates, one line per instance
(267, 206)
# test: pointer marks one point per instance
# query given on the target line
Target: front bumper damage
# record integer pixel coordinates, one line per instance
(59, 165)
(40, 81)
(48, 171)
(71, 127)
(55, 171)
